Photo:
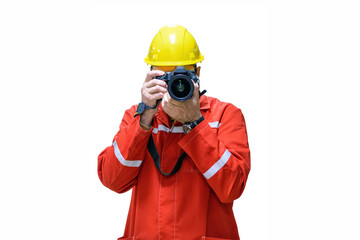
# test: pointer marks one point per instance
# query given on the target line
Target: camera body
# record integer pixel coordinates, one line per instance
(180, 83)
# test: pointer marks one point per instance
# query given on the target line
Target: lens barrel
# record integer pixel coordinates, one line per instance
(180, 83)
(180, 87)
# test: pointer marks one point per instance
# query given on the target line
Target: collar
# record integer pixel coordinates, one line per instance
(165, 119)
(204, 103)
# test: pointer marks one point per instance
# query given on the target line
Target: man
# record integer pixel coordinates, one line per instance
(186, 161)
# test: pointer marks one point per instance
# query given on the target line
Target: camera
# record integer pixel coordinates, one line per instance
(180, 83)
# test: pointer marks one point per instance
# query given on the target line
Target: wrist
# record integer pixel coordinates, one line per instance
(187, 127)
(142, 108)
(196, 117)
(145, 127)
(147, 116)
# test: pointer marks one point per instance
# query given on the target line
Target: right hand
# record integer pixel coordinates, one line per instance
(151, 91)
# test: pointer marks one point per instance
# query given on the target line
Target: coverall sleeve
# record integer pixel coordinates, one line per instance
(119, 164)
(223, 158)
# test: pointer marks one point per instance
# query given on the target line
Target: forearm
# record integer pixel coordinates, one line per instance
(146, 119)
(119, 164)
(224, 159)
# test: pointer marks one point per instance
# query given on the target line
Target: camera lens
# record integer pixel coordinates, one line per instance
(181, 87)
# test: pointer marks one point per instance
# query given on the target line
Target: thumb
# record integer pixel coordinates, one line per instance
(196, 89)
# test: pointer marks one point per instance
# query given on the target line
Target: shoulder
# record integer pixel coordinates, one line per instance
(219, 106)
(225, 113)
(132, 109)
(129, 113)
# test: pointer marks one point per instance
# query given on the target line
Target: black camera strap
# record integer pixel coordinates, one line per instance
(155, 156)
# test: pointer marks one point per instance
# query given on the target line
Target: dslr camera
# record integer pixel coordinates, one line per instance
(180, 83)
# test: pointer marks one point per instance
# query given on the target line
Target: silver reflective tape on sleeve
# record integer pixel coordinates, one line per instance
(127, 163)
(161, 128)
(218, 165)
(175, 129)
(214, 124)
(178, 129)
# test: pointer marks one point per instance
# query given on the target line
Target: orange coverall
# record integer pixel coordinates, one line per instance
(196, 202)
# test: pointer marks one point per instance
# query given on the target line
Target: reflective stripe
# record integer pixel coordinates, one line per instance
(179, 129)
(133, 163)
(176, 129)
(161, 128)
(218, 165)
(214, 124)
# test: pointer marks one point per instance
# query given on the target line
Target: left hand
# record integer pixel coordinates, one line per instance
(187, 111)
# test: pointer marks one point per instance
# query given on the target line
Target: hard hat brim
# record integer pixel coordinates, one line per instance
(177, 63)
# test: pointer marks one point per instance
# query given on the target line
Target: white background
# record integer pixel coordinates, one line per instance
(69, 69)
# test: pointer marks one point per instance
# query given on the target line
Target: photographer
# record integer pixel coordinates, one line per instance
(184, 155)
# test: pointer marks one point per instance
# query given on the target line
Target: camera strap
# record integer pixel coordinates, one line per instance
(142, 106)
(155, 156)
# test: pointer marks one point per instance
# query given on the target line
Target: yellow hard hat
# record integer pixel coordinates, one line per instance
(173, 46)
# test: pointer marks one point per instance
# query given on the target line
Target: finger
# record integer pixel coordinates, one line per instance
(154, 82)
(154, 97)
(156, 89)
(174, 102)
(151, 74)
(168, 108)
(196, 86)
(166, 98)
(163, 103)
(158, 95)
(196, 90)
